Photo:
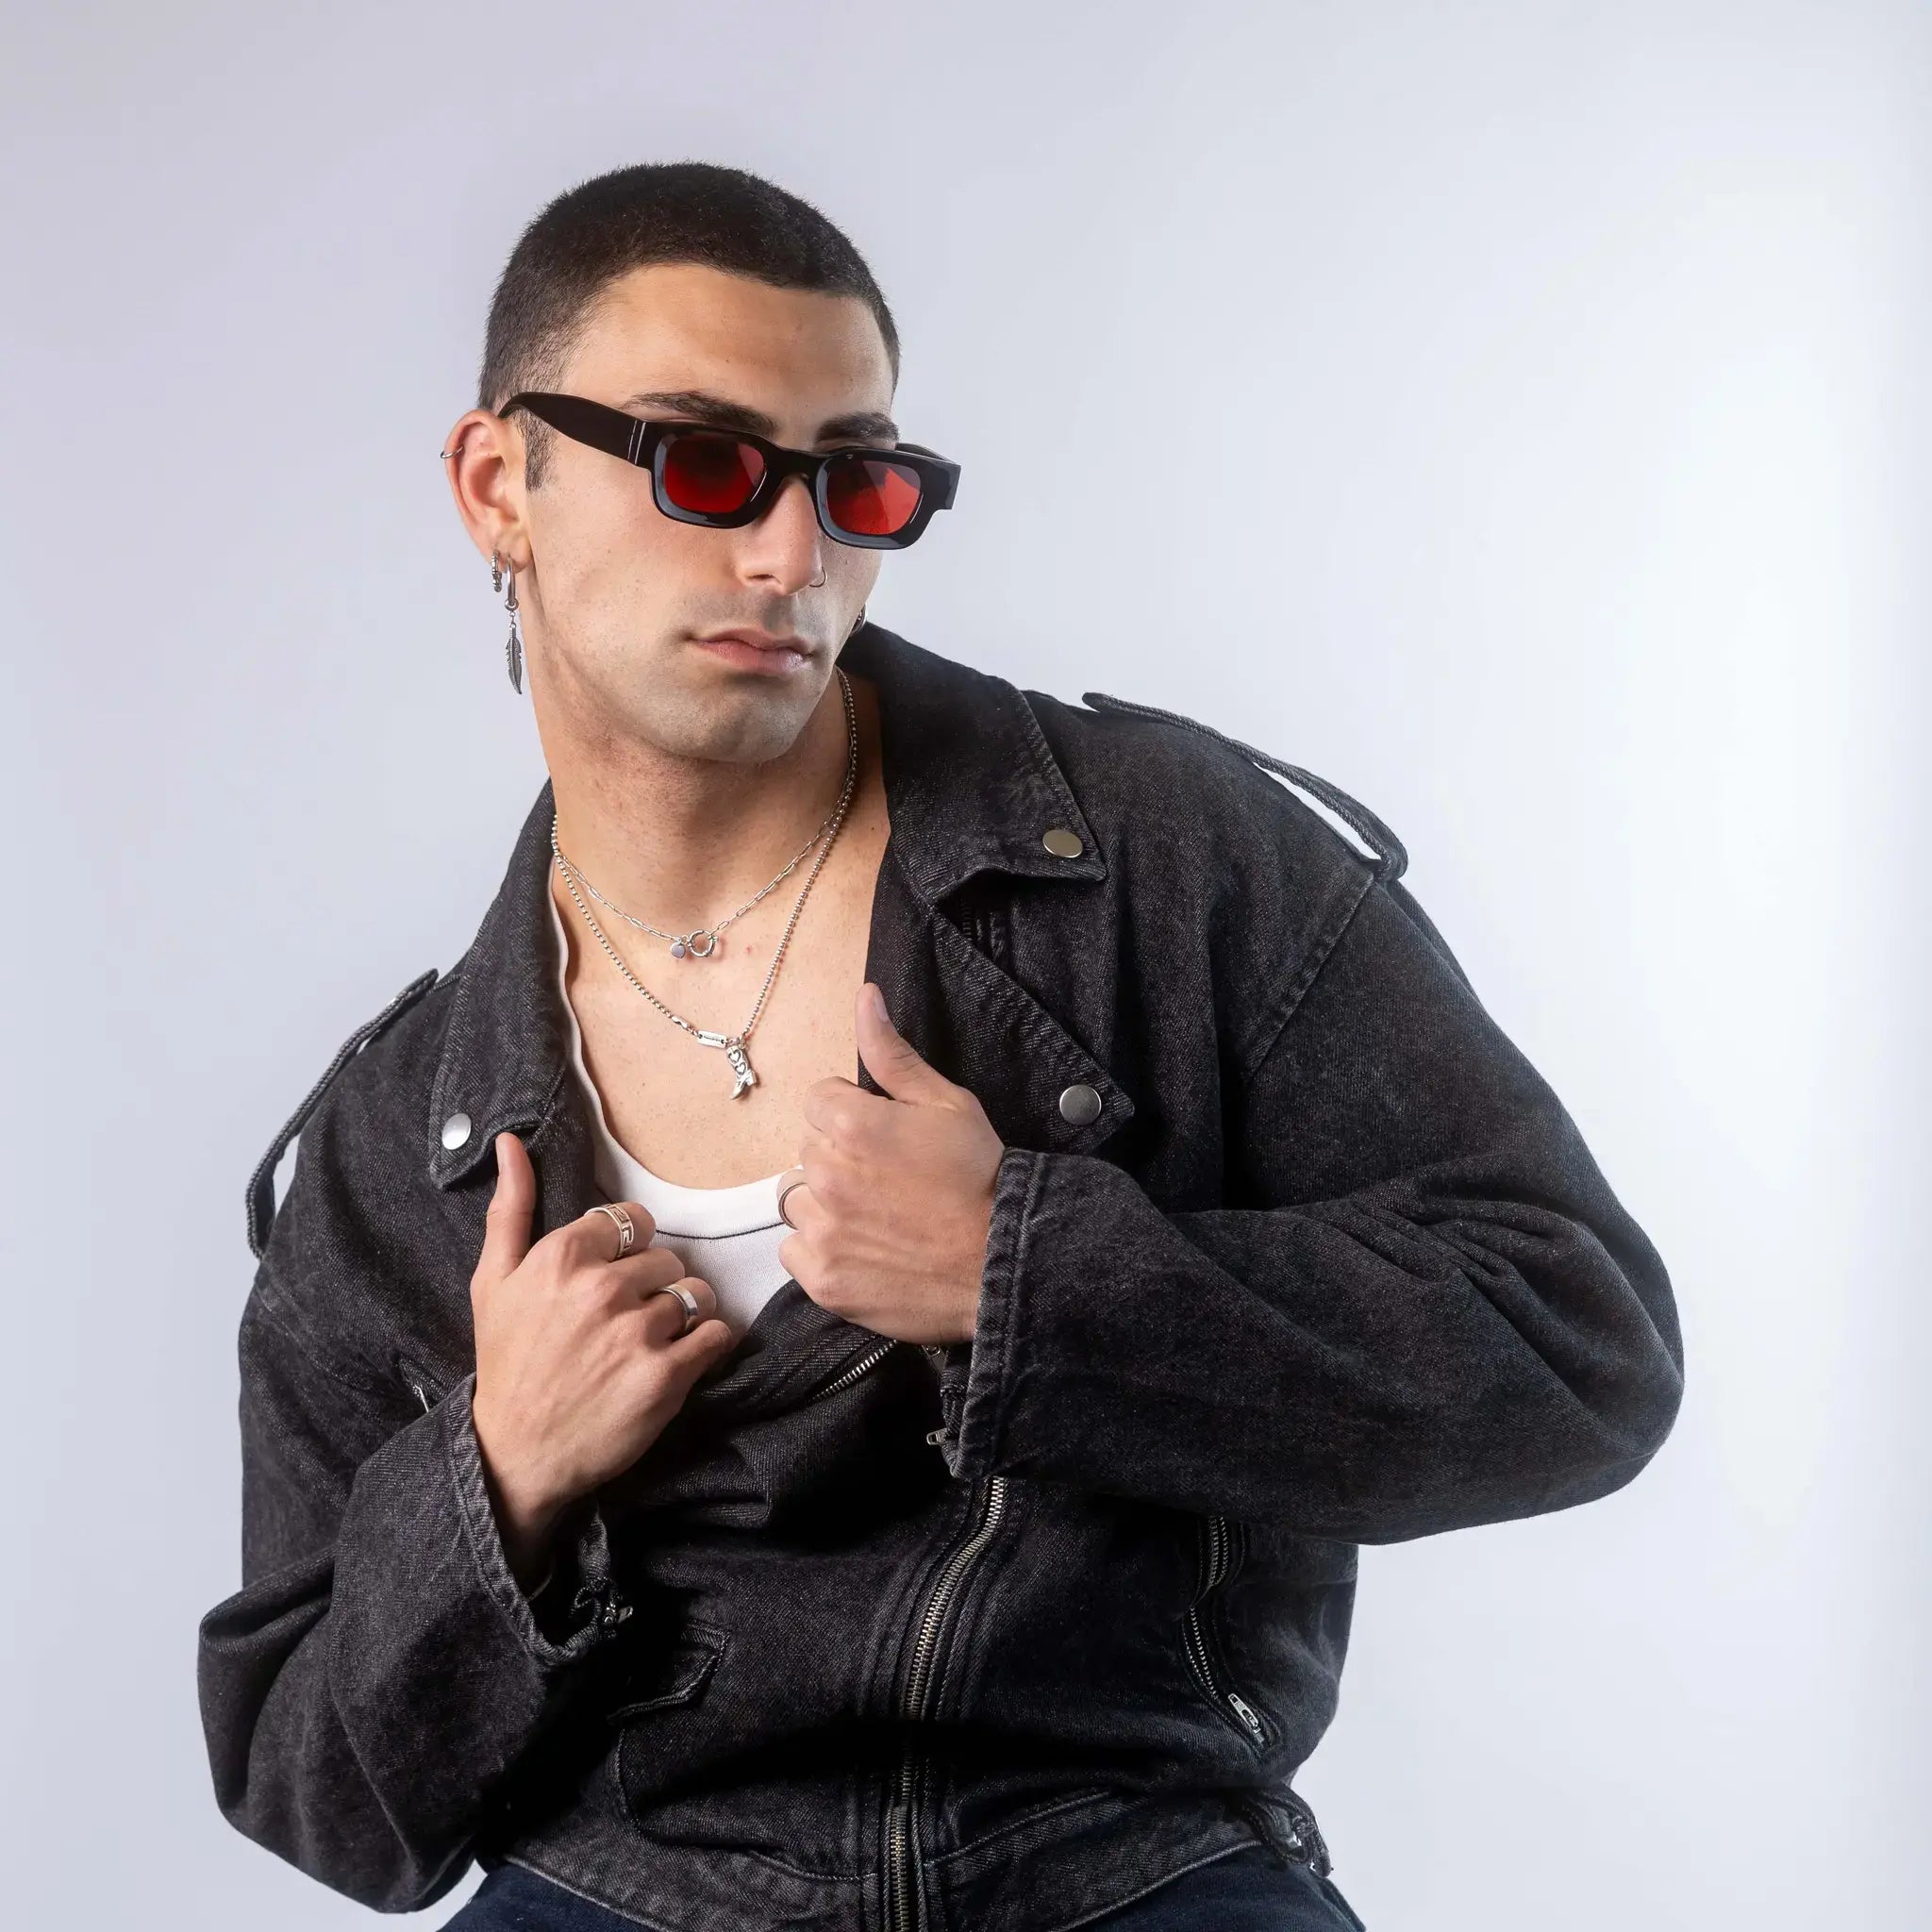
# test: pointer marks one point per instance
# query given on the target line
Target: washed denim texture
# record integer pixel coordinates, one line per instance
(993, 1636)
(1250, 1890)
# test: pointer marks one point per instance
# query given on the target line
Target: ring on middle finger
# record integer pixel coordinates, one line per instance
(691, 1311)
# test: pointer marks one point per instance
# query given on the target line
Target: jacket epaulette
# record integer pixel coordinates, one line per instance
(1391, 857)
(261, 1183)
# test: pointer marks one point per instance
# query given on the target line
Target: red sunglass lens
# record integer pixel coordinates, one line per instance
(711, 476)
(872, 496)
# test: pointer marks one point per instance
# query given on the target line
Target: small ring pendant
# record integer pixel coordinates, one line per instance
(689, 944)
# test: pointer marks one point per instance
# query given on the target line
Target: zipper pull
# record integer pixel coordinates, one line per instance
(1245, 1712)
(1307, 1834)
(607, 1603)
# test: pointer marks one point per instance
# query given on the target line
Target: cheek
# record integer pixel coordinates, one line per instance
(854, 570)
(625, 564)
(663, 568)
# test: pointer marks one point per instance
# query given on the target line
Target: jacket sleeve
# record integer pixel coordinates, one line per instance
(365, 1693)
(1428, 1310)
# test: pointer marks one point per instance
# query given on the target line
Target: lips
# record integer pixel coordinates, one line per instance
(758, 653)
(759, 641)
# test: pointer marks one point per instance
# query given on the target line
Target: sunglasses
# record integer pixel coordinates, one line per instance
(880, 499)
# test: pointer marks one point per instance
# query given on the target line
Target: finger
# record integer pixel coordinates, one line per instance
(665, 1315)
(604, 1238)
(891, 1059)
(793, 1194)
(803, 1210)
(832, 1106)
(506, 1220)
(644, 1269)
(690, 1355)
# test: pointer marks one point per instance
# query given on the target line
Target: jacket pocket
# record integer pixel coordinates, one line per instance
(674, 1674)
(1223, 1543)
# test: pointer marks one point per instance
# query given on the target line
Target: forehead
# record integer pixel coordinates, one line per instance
(793, 353)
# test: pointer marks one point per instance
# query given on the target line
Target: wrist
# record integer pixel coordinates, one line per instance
(527, 1532)
(525, 1502)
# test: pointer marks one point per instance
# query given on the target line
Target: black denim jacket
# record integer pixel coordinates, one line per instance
(1291, 1250)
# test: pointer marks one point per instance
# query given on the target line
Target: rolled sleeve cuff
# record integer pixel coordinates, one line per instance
(976, 1378)
(575, 1607)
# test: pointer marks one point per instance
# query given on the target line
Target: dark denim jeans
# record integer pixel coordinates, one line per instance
(1249, 1891)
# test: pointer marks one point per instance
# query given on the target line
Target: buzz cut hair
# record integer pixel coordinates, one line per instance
(657, 211)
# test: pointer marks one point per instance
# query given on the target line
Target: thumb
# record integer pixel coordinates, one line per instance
(506, 1224)
(890, 1058)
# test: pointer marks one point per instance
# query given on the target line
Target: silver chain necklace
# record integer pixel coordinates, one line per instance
(732, 1044)
(684, 945)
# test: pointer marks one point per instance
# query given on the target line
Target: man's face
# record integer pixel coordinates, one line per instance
(618, 594)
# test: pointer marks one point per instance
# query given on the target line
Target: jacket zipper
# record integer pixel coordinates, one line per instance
(986, 930)
(1220, 1554)
(904, 1854)
(871, 1359)
(418, 1384)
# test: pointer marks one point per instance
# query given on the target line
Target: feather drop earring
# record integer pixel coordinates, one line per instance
(513, 645)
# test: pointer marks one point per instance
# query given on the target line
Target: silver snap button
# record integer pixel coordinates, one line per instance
(455, 1130)
(1079, 1103)
(1062, 843)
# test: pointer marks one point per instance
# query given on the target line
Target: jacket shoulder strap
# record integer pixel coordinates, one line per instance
(1391, 857)
(261, 1183)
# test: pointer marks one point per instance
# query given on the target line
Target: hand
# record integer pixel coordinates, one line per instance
(893, 1221)
(579, 1367)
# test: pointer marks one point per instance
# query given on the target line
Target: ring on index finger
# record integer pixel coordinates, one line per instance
(626, 1227)
(785, 1187)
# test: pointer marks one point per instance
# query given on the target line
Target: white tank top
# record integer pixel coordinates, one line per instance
(726, 1235)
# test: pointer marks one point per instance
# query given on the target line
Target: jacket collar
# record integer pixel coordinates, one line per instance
(971, 786)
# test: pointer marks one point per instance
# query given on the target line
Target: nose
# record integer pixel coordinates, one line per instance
(783, 552)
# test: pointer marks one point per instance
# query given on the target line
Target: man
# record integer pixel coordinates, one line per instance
(978, 1549)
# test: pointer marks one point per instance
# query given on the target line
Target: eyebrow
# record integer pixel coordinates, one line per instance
(858, 425)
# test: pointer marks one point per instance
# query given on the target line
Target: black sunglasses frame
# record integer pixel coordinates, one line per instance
(641, 443)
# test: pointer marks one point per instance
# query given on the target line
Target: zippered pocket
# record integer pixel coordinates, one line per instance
(1224, 1541)
(420, 1382)
(864, 1365)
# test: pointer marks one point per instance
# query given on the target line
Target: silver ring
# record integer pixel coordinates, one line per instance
(782, 1193)
(691, 1311)
(626, 1227)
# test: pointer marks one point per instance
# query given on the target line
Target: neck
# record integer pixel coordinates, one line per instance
(684, 842)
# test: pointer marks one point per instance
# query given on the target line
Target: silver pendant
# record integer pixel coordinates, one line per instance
(688, 947)
(735, 1052)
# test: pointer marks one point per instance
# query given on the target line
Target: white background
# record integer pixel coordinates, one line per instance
(1551, 381)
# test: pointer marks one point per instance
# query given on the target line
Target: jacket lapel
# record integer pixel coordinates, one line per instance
(972, 786)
